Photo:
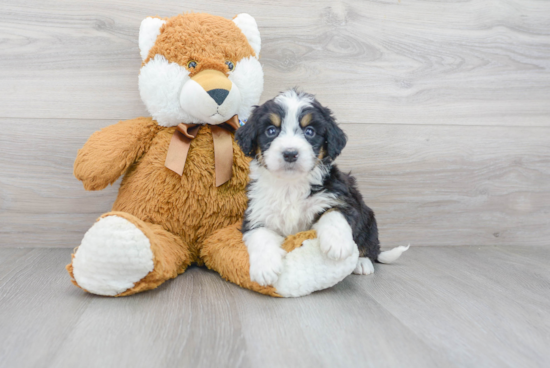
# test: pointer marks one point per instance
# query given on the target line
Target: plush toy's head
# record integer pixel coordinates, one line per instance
(199, 68)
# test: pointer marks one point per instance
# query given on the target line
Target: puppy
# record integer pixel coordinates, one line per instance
(294, 186)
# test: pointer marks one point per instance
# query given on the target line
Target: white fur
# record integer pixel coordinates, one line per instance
(335, 235)
(196, 102)
(266, 255)
(284, 205)
(285, 208)
(307, 269)
(293, 104)
(249, 28)
(274, 160)
(171, 97)
(291, 138)
(113, 256)
(248, 77)
(148, 33)
(160, 85)
(364, 266)
(392, 255)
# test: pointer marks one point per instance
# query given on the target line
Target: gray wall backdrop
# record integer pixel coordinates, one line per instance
(446, 103)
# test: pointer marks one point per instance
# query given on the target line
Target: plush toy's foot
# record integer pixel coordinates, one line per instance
(308, 269)
(122, 255)
(225, 253)
(112, 257)
(305, 268)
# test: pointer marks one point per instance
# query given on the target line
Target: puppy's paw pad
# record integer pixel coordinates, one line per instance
(364, 267)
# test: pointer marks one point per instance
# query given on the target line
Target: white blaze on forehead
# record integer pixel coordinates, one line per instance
(293, 104)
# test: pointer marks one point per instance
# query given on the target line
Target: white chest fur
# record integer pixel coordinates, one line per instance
(285, 205)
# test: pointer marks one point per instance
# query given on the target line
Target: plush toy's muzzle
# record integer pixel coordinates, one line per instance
(210, 96)
(198, 71)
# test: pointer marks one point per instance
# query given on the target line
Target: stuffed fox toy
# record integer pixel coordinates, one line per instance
(183, 195)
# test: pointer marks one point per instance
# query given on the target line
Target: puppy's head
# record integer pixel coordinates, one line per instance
(291, 134)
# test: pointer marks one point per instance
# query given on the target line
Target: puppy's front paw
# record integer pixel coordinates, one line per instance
(336, 243)
(266, 266)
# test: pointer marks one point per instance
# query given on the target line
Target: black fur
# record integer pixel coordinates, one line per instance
(359, 216)
(330, 138)
(335, 138)
(246, 227)
(251, 136)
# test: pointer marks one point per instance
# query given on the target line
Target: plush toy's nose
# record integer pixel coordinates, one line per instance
(218, 95)
(215, 83)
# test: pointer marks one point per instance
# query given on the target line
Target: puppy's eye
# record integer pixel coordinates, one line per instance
(309, 132)
(192, 64)
(230, 65)
(271, 131)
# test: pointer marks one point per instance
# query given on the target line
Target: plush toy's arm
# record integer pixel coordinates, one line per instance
(109, 152)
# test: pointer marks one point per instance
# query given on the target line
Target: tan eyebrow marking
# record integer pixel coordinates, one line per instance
(305, 120)
(275, 119)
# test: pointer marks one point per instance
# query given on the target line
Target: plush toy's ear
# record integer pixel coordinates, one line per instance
(246, 137)
(148, 33)
(248, 26)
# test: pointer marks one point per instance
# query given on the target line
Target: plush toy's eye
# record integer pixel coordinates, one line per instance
(230, 65)
(309, 132)
(271, 131)
(192, 64)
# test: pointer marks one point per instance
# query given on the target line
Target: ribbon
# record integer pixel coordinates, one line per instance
(223, 148)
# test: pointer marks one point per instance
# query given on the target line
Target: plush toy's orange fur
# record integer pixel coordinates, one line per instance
(225, 253)
(176, 213)
(180, 42)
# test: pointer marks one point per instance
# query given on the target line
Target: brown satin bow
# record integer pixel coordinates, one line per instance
(223, 148)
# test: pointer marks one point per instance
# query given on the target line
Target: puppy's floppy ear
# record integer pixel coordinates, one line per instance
(247, 135)
(336, 139)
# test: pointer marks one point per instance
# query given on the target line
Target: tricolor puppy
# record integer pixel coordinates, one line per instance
(294, 186)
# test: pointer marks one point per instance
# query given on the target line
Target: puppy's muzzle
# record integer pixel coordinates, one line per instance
(290, 155)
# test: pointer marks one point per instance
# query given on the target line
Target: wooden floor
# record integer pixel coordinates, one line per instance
(446, 105)
(436, 307)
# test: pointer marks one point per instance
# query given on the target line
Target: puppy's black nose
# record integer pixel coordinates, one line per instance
(290, 156)
(219, 95)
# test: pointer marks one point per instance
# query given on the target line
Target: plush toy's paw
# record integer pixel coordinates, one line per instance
(306, 269)
(364, 266)
(266, 265)
(113, 256)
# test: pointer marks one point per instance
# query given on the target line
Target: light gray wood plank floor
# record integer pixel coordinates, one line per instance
(436, 307)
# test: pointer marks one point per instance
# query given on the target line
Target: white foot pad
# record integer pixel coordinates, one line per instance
(308, 269)
(113, 256)
(364, 266)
